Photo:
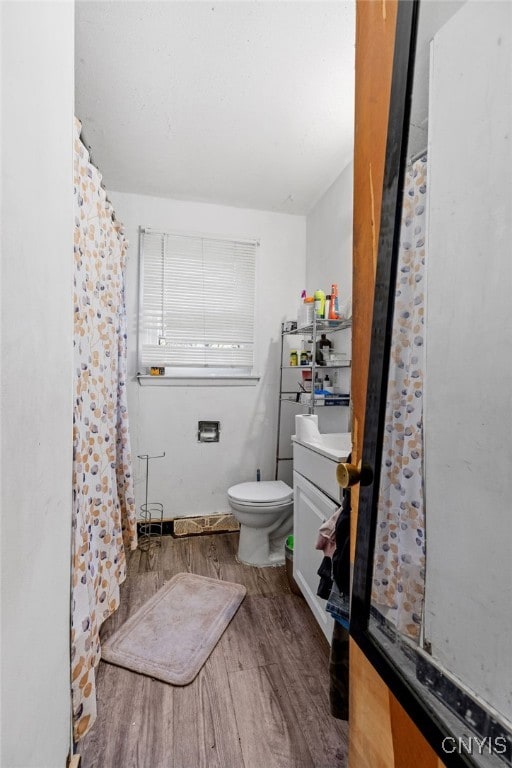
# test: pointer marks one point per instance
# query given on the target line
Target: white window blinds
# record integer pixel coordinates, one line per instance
(196, 302)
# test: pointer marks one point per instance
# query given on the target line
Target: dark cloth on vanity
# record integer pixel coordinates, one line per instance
(338, 605)
(341, 556)
(325, 573)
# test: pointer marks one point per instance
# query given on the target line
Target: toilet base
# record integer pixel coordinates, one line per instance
(274, 561)
(256, 547)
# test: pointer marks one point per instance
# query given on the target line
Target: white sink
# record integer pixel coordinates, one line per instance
(335, 446)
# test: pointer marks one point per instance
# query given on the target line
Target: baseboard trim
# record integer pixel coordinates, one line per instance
(201, 525)
(204, 524)
(167, 527)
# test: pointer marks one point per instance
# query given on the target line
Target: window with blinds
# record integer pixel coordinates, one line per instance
(196, 303)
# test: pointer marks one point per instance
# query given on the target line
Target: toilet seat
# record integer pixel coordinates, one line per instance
(261, 506)
(266, 493)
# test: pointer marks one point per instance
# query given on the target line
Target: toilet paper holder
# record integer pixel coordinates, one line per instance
(208, 431)
(151, 521)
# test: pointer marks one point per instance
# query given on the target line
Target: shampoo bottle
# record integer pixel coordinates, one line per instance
(320, 304)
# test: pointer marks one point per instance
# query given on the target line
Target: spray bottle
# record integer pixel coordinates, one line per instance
(334, 311)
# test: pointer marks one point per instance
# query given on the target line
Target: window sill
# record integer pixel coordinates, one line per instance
(203, 380)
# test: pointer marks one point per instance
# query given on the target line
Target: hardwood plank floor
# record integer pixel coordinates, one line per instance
(260, 701)
(270, 733)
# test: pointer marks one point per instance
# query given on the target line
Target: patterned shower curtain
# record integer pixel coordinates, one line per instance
(399, 562)
(104, 520)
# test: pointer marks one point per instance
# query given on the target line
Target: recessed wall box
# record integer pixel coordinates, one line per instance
(208, 431)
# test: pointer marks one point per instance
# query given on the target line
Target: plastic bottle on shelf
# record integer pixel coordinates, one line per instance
(305, 313)
(327, 306)
(327, 384)
(325, 346)
(334, 306)
(309, 304)
(320, 304)
(294, 358)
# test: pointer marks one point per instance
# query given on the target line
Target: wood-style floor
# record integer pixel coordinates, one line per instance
(260, 701)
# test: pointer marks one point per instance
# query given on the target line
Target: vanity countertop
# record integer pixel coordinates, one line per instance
(335, 446)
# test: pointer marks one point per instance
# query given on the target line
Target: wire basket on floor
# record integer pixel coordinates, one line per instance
(151, 525)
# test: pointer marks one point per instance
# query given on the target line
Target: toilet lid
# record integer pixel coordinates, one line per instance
(264, 491)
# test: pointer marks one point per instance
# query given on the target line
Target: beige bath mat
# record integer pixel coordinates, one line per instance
(173, 634)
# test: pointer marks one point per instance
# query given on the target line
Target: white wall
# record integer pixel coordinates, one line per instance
(193, 477)
(37, 352)
(329, 260)
(329, 237)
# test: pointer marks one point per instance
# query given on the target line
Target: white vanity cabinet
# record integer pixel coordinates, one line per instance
(311, 509)
(317, 496)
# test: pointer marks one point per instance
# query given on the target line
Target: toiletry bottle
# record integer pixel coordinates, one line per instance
(327, 384)
(333, 309)
(294, 358)
(320, 304)
(325, 346)
(309, 304)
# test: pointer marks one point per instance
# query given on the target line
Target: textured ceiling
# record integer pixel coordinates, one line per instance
(248, 104)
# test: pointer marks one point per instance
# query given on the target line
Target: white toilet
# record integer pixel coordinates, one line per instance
(265, 512)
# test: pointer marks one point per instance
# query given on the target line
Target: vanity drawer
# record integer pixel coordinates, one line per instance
(318, 469)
